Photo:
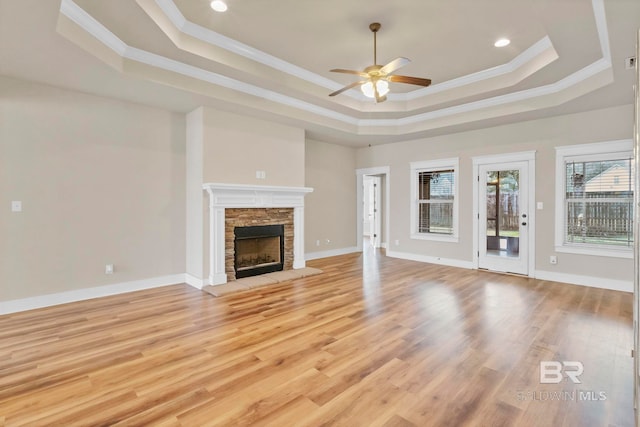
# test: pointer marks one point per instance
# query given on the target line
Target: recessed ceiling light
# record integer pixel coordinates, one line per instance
(502, 42)
(219, 6)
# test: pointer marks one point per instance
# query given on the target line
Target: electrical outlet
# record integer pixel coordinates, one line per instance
(317, 242)
(16, 206)
(108, 269)
(553, 259)
(630, 63)
(397, 242)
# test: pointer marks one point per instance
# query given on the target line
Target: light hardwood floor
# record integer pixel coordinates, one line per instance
(373, 341)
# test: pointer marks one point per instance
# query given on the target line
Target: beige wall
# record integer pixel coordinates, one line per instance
(540, 135)
(235, 147)
(330, 211)
(101, 181)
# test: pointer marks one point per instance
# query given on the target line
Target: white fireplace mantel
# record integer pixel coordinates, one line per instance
(255, 196)
(223, 196)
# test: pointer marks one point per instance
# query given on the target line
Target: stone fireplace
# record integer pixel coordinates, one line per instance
(254, 212)
(252, 224)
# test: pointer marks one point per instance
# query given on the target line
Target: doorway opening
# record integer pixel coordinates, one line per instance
(372, 207)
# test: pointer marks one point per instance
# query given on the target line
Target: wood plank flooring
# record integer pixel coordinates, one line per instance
(373, 341)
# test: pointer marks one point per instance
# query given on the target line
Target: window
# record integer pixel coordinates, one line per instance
(434, 211)
(594, 199)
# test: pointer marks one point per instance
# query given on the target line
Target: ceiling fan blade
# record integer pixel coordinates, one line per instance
(357, 73)
(351, 86)
(410, 80)
(394, 65)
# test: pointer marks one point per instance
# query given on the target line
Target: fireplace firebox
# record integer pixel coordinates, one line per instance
(258, 250)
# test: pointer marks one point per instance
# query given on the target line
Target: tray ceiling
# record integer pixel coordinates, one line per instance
(271, 58)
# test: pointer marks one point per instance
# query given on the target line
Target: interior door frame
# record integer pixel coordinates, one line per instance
(636, 242)
(378, 171)
(523, 156)
(366, 198)
(377, 213)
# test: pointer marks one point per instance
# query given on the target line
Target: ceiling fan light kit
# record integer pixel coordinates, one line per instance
(382, 86)
(377, 77)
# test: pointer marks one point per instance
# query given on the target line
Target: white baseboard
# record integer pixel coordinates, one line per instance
(194, 281)
(431, 259)
(333, 252)
(574, 279)
(14, 306)
(594, 282)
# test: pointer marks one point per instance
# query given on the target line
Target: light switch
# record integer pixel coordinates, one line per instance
(16, 206)
(539, 206)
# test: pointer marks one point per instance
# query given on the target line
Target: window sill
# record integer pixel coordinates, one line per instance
(435, 237)
(595, 251)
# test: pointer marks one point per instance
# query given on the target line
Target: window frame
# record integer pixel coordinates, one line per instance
(433, 166)
(599, 151)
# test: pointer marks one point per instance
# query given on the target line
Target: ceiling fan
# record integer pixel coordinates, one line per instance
(377, 77)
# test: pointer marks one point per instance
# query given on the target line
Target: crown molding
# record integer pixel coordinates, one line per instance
(601, 25)
(78, 15)
(168, 64)
(211, 37)
(529, 55)
(566, 83)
